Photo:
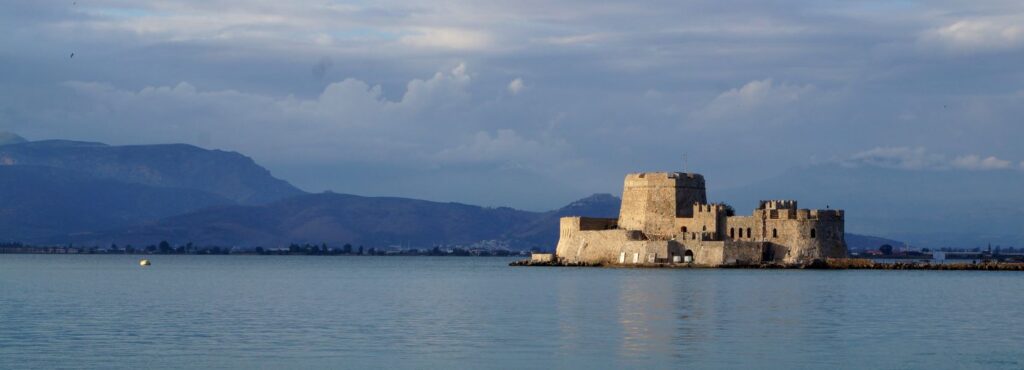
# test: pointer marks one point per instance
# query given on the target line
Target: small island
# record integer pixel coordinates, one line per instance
(666, 221)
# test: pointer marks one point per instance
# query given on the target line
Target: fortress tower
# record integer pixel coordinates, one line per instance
(652, 201)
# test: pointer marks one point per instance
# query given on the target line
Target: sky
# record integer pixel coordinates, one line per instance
(529, 104)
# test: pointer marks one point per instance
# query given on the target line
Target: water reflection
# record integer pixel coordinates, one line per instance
(237, 312)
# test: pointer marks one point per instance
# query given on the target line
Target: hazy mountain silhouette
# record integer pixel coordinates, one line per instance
(42, 201)
(10, 138)
(227, 174)
(328, 218)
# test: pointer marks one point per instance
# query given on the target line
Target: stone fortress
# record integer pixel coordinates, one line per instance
(665, 219)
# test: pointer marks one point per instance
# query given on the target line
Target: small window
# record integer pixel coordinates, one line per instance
(732, 233)
(684, 229)
(812, 234)
(705, 228)
(775, 233)
(749, 234)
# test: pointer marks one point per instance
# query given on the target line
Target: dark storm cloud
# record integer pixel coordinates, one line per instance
(743, 89)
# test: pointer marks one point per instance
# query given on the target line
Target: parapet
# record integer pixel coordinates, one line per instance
(827, 214)
(819, 214)
(708, 208)
(778, 204)
(587, 223)
(674, 179)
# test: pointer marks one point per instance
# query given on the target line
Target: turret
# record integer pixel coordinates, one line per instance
(651, 201)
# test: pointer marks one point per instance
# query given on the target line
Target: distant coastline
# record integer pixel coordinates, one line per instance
(164, 248)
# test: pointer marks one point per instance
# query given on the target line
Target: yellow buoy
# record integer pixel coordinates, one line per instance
(144, 263)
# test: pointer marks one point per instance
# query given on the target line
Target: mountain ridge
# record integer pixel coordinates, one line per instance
(228, 174)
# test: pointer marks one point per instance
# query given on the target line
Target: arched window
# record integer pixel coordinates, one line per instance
(812, 234)
(732, 233)
(775, 233)
(749, 234)
(705, 228)
(684, 229)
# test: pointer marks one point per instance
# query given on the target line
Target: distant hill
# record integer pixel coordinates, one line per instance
(924, 207)
(857, 242)
(226, 174)
(328, 218)
(7, 138)
(38, 202)
(542, 232)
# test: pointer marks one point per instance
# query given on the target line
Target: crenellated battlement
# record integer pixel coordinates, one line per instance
(777, 204)
(708, 208)
(827, 214)
(675, 179)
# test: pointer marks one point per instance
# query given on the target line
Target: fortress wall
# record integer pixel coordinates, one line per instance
(707, 218)
(796, 236)
(705, 253)
(593, 223)
(791, 238)
(648, 251)
(652, 201)
(743, 252)
(591, 246)
(737, 227)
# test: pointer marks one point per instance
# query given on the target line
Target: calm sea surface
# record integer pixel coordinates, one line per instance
(66, 311)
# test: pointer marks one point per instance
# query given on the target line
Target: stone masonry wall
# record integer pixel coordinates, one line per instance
(651, 202)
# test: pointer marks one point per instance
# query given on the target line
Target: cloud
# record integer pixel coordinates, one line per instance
(349, 119)
(977, 34)
(515, 86)
(919, 158)
(897, 157)
(590, 38)
(625, 85)
(754, 97)
(448, 38)
(976, 162)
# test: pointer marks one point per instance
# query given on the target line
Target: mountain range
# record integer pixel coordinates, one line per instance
(58, 192)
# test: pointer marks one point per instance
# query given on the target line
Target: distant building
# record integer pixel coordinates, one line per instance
(665, 218)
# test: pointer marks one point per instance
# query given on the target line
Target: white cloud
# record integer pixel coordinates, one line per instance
(515, 86)
(448, 38)
(349, 120)
(897, 157)
(919, 158)
(976, 162)
(754, 96)
(977, 34)
(590, 38)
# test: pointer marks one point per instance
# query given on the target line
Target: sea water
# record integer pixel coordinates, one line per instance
(105, 311)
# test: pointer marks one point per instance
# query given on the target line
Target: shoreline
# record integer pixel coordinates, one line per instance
(830, 264)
